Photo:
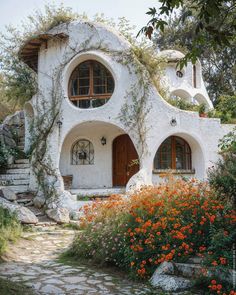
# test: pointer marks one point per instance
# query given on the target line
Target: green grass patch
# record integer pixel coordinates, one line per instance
(73, 226)
(12, 288)
(10, 229)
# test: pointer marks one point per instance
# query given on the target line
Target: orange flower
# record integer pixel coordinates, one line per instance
(223, 260)
(212, 218)
(138, 219)
(219, 287)
(213, 282)
(214, 263)
(132, 263)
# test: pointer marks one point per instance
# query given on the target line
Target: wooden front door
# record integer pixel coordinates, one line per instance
(124, 153)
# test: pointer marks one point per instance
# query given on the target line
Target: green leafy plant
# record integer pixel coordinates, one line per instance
(182, 104)
(222, 176)
(10, 229)
(5, 154)
(213, 26)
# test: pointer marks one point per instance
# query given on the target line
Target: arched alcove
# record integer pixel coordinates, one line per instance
(97, 173)
(196, 168)
(200, 99)
(182, 94)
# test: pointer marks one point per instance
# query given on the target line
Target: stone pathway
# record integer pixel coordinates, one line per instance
(33, 262)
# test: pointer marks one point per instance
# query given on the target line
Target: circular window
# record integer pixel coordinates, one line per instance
(179, 74)
(91, 85)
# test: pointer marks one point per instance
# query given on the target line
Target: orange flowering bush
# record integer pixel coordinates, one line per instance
(171, 222)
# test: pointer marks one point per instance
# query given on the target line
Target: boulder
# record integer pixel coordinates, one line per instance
(165, 268)
(137, 181)
(7, 193)
(60, 215)
(170, 283)
(39, 201)
(164, 278)
(76, 215)
(23, 214)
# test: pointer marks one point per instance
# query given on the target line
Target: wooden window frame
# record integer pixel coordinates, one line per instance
(187, 156)
(91, 95)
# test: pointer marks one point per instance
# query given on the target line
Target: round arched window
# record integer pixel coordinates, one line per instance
(91, 85)
(174, 153)
(82, 153)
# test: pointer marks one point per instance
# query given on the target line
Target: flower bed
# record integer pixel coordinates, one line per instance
(171, 222)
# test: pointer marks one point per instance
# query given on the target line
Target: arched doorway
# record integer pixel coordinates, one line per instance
(125, 160)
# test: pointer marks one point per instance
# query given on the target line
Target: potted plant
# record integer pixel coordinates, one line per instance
(202, 110)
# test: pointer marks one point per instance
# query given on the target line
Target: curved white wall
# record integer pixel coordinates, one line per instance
(95, 41)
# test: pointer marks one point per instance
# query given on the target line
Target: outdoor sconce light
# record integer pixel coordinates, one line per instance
(103, 140)
(59, 124)
(173, 122)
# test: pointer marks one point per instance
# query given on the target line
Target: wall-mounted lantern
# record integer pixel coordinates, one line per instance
(103, 140)
(59, 124)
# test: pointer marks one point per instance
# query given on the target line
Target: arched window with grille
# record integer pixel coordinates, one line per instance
(174, 153)
(82, 153)
(91, 85)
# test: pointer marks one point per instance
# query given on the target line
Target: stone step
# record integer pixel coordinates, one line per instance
(21, 147)
(24, 201)
(18, 188)
(14, 176)
(18, 166)
(14, 182)
(17, 171)
(22, 161)
(20, 181)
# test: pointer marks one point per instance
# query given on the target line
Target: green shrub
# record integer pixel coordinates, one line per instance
(10, 229)
(182, 104)
(222, 177)
(5, 153)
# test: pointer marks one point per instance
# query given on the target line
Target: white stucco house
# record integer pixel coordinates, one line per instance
(90, 143)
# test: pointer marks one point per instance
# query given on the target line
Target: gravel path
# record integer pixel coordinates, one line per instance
(33, 262)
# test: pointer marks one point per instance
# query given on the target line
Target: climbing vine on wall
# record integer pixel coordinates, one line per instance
(47, 105)
(143, 62)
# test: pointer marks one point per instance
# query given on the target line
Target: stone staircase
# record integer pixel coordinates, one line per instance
(16, 176)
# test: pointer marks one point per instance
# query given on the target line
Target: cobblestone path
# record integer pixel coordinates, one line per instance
(33, 262)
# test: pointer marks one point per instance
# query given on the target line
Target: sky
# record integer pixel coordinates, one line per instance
(14, 11)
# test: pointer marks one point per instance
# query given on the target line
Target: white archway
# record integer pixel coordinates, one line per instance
(182, 94)
(197, 154)
(99, 173)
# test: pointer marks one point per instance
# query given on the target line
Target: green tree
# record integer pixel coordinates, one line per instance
(215, 23)
(226, 108)
(18, 81)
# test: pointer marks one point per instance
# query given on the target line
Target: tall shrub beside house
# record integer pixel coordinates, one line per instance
(171, 222)
(222, 177)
